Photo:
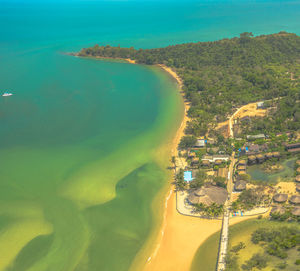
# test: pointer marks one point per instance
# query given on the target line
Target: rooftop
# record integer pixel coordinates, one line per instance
(208, 195)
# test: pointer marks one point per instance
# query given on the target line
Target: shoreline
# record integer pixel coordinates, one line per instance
(172, 244)
(128, 60)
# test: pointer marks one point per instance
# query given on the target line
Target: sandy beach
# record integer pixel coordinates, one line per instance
(179, 236)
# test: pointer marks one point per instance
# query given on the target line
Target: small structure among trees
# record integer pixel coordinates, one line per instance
(280, 198)
(295, 199)
(240, 185)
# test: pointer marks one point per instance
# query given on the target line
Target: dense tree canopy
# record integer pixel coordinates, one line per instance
(221, 75)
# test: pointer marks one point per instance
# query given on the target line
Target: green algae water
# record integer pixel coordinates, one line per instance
(79, 138)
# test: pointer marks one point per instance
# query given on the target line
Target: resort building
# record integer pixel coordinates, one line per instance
(243, 168)
(260, 158)
(240, 185)
(195, 161)
(251, 159)
(243, 162)
(293, 147)
(298, 187)
(295, 199)
(213, 158)
(280, 198)
(297, 179)
(200, 143)
(254, 137)
(208, 195)
(260, 105)
(296, 211)
(205, 163)
(191, 154)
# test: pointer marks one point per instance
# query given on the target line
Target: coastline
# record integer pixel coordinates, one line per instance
(128, 60)
(173, 245)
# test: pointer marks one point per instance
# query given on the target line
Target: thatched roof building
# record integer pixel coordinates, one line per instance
(298, 163)
(269, 155)
(242, 163)
(192, 154)
(208, 195)
(251, 159)
(297, 179)
(242, 168)
(195, 161)
(240, 185)
(278, 209)
(260, 157)
(298, 187)
(295, 199)
(205, 163)
(276, 154)
(298, 170)
(218, 162)
(296, 211)
(280, 198)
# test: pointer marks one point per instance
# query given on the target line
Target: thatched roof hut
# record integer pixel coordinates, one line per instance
(296, 211)
(240, 185)
(269, 155)
(278, 209)
(298, 187)
(298, 163)
(298, 170)
(295, 199)
(208, 195)
(242, 168)
(276, 154)
(260, 157)
(206, 163)
(195, 161)
(297, 179)
(242, 162)
(251, 159)
(242, 172)
(192, 154)
(218, 162)
(280, 198)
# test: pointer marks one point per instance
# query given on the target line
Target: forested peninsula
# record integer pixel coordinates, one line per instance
(220, 76)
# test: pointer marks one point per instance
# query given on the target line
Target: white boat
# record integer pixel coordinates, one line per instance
(6, 94)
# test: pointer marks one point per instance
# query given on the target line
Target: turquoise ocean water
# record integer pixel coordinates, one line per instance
(78, 170)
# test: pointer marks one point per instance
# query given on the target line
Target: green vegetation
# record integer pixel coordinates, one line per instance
(260, 176)
(250, 198)
(221, 75)
(260, 244)
(180, 183)
(187, 142)
(213, 210)
(199, 180)
(242, 251)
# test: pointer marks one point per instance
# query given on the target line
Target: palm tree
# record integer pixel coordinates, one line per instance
(174, 161)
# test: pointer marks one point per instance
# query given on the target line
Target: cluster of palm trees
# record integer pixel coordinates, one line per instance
(213, 210)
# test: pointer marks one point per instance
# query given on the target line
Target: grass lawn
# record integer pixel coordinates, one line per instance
(206, 257)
